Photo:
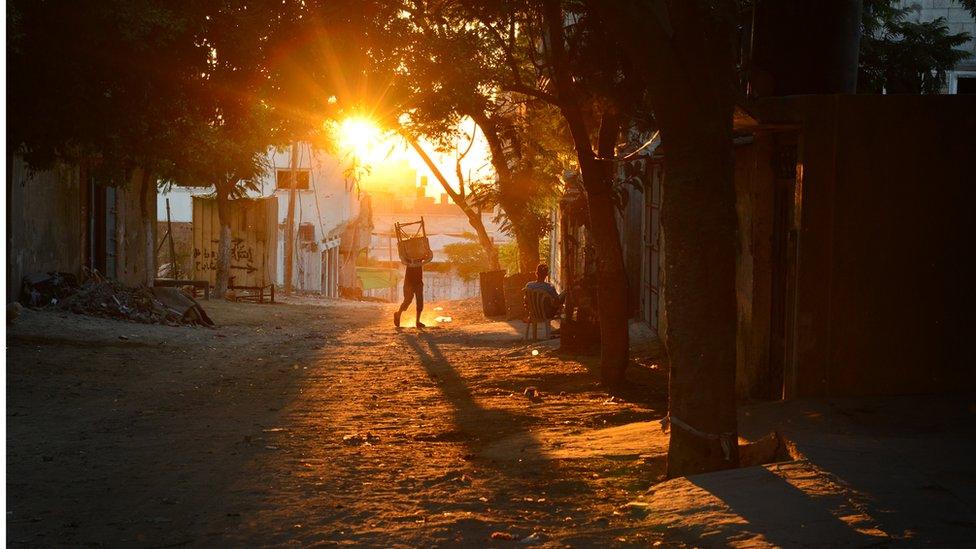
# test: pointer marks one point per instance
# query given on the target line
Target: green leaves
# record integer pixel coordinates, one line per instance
(899, 55)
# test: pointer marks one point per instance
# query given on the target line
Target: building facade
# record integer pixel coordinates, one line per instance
(64, 220)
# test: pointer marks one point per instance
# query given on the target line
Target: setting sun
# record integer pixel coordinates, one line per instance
(360, 136)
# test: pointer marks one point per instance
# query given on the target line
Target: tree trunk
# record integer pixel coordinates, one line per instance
(223, 247)
(516, 210)
(698, 215)
(527, 242)
(611, 276)
(598, 182)
(474, 218)
(689, 49)
(694, 109)
(290, 221)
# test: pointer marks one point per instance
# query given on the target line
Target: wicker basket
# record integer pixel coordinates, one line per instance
(414, 249)
(412, 243)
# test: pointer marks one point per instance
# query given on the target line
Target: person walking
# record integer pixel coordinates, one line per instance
(413, 286)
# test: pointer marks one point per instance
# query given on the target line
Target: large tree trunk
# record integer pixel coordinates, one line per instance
(223, 247)
(612, 279)
(611, 288)
(688, 48)
(698, 215)
(694, 110)
(474, 217)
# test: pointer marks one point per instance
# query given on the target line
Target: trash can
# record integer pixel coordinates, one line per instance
(493, 293)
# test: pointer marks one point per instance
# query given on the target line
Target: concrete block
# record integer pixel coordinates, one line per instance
(959, 15)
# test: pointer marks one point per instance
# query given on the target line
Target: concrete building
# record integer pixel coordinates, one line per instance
(64, 220)
(327, 201)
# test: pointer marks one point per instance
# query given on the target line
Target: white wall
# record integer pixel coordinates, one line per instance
(330, 201)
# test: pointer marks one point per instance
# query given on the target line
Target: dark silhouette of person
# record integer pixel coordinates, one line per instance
(413, 286)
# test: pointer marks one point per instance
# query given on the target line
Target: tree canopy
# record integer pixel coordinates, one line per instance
(899, 55)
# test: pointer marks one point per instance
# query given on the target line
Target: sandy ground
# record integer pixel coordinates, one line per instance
(319, 423)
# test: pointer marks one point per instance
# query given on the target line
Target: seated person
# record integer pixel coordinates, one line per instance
(540, 284)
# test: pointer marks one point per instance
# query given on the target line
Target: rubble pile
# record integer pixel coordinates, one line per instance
(99, 296)
(42, 289)
(111, 299)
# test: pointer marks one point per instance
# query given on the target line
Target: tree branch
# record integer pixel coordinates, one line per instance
(532, 92)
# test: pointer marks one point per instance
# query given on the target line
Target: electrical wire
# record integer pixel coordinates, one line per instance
(631, 155)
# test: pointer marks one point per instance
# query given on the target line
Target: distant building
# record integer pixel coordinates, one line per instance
(327, 203)
(962, 79)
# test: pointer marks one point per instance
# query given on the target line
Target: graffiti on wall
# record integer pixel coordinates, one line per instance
(241, 257)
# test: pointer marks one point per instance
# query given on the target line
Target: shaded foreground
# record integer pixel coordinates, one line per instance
(296, 422)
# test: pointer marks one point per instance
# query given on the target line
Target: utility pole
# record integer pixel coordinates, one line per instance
(290, 219)
(389, 258)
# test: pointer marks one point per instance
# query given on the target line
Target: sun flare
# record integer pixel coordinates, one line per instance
(360, 136)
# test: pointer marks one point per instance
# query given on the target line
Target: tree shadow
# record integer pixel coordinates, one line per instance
(469, 415)
(779, 511)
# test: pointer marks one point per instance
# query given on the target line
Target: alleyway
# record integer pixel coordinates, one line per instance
(313, 423)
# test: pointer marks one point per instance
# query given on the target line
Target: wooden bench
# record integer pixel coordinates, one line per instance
(254, 293)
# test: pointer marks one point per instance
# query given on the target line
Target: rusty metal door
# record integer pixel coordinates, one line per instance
(786, 207)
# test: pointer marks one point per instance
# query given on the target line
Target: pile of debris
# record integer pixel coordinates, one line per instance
(99, 296)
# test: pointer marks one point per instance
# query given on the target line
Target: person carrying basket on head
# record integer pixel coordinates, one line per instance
(413, 278)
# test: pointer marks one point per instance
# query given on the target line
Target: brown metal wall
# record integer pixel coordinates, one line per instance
(254, 237)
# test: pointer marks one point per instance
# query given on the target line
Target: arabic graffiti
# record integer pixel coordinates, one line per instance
(241, 257)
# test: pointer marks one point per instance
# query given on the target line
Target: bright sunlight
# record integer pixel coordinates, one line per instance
(361, 137)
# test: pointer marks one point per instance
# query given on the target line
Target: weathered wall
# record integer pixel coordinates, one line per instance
(135, 230)
(754, 209)
(44, 222)
(630, 223)
(254, 240)
(885, 300)
(48, 223)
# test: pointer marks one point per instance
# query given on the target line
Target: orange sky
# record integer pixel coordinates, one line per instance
(384, 152)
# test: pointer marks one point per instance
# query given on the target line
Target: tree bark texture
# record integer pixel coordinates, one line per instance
(693, 103)
(688, 47)
(699, 223)
(611, 288)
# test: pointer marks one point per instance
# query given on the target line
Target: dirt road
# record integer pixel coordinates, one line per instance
(304, 423)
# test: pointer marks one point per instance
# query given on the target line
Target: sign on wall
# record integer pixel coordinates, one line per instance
(254, 240)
